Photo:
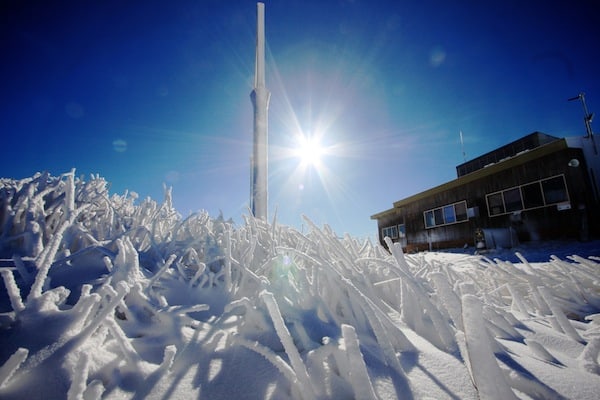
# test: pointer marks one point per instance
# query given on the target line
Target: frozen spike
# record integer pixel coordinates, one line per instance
(168, 356)
(94, 390)
(22, 269)
(359, 377)
(83, 309)
(449, 299)
(518, 303)
(14, 293)
(528, 268)
(481, 356)
(122, 290)
(272, 357)
(130, 354)
(398, 254)
(589, 356)
(161, 271)
(288, 344)
(10, 367)
(560, 316)
(70, 193)
(80, 375)
(541, 352)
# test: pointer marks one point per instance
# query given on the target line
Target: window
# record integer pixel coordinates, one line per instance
(512, 200)
(429, 220)
(402, 231)
(395, 231)
(555, 190)
(532, 195)
(542, 193)
(391, 232)
(448, 214)
(439, 216)
(460, 210)
(495, 204)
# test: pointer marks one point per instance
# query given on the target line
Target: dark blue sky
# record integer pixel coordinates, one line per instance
(146, 92)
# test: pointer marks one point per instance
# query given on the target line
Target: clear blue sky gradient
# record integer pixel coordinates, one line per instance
(151, 92)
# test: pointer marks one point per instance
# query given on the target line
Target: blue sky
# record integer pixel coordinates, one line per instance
(151, 92)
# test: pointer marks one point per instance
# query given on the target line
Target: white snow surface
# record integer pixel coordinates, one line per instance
(106, 298)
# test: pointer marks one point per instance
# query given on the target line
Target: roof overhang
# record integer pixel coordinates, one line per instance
(492, 169)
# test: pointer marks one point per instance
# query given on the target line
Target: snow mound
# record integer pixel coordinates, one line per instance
(103, 298)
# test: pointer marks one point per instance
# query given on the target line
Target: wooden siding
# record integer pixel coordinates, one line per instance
(548, 222)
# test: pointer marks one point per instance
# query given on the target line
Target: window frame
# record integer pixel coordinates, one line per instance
(438, 216)
(536, 200)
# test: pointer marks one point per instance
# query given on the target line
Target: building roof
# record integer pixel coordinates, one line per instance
(546, 144)
(386, 213)
(507, 163)
(526, 143)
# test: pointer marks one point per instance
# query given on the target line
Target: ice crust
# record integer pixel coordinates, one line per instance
(103, 297)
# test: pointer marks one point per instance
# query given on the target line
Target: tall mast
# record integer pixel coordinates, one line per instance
(260, 101)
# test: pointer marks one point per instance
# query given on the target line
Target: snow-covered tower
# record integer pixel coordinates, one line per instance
(260, 100)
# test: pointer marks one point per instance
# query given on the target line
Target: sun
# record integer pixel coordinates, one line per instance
(309, 150)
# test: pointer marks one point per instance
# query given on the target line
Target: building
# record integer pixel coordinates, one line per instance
(538, 187)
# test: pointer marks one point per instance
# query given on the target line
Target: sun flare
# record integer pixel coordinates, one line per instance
(309, 150)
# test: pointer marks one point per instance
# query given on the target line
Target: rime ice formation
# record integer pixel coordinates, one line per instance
(106, 298)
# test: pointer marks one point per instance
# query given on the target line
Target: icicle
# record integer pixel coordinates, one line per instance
(11, 366)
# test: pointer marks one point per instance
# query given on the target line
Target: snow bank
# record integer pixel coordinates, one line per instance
(106, 298)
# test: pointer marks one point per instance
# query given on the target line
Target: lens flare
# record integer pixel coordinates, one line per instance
(309, 150)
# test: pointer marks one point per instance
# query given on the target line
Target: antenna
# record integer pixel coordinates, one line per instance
(587, 117)
(462, 146)
(260, 101)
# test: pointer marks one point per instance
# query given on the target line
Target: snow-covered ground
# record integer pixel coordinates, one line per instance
(107, 298)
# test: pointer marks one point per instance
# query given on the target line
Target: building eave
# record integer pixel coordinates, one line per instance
(386, 213)
(492, 169)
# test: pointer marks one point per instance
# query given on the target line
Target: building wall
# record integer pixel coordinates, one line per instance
(535, 224)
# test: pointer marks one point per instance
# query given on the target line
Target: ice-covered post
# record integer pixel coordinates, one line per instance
(260, 101)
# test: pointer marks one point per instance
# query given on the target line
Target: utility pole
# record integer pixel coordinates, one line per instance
(260, 101)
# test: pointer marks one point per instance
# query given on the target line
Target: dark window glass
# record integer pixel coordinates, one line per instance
(512, 200)
(555, 190)
(495, 204)
(532, 195)
(429, 221)
(438, 216)
(460, 210)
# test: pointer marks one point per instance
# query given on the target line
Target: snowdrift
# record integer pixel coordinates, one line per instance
(105, 298)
